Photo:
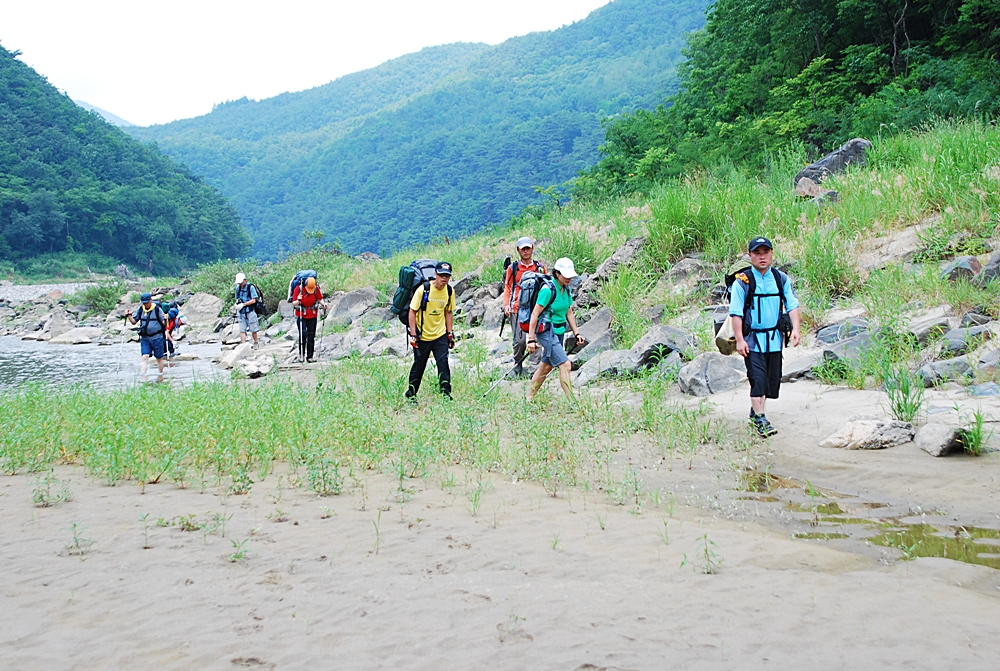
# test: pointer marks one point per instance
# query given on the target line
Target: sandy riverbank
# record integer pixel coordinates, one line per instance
(530, 581)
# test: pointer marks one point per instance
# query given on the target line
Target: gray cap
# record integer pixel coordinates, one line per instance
(525, 242)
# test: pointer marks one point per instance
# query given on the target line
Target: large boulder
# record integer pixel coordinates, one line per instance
(850, 350)
(256, 366)
(945, 371)
(623, 256)
(868, 432)
(938, 440)
(659, 341)
(59, 324)
(286, 309)
(597, 326)
(203, 308)
(235, 355)
(851, 153)
(604, 343)
(398, 347)
(711, 373)
(685, 275)
(353, 304)
(842, 331)
(82, 335)
(606, 364)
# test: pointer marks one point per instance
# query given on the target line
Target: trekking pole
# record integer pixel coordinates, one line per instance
(504, 377)
(322, 330)
(506, 265)
(121, 347)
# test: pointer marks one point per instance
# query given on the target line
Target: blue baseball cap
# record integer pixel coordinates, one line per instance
(145, 298)
(759, 242)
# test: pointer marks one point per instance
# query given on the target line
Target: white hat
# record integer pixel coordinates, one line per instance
(240, 278)
(525, 242)
(565, 268)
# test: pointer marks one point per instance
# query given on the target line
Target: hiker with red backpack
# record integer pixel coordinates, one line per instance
(765, 314)
(430, 323)
(307, 299)
(552, 313)
(511, 299)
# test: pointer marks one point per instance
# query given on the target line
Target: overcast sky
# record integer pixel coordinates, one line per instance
(150, 61)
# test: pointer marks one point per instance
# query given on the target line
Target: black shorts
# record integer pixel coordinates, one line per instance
(764, 373)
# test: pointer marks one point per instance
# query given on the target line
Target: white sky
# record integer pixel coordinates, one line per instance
(153, 61)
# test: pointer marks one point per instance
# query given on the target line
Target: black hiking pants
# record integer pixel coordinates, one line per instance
(308, 336)
(439, 347)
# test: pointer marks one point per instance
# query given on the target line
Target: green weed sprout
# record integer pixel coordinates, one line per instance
(705, 560)
(974, 435)
(240, 550)
(79, 545)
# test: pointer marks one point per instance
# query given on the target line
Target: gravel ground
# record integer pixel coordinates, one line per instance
(18, 293)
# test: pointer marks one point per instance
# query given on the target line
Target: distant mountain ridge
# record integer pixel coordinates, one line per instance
(112, 119)
(439, 142)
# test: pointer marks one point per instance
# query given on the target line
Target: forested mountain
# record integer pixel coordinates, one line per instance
(764, 75)
(440, 142)
(70, 181)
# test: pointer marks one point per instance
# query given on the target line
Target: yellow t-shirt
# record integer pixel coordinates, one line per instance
(431, 322)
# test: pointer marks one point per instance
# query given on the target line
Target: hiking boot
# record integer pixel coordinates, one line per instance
(762, 426)
(412, 400)
(518, 372)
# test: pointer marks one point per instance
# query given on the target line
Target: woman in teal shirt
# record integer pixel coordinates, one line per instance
(548, 325)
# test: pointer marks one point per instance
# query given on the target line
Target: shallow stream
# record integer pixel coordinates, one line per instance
(102, 366)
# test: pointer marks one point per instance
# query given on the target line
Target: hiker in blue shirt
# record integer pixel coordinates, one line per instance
(773, 316)
(246, 314)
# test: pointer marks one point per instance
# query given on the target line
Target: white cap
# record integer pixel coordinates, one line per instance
(565, 268)
(525, 242)
(240, 278)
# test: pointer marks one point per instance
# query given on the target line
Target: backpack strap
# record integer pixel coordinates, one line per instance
(751, 294)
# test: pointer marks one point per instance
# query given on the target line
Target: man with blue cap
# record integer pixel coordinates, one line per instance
(766, 318)
(152, 332)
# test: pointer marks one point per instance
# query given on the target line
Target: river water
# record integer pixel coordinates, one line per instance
(100, 366)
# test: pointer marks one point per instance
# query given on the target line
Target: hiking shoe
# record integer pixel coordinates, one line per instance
(762, 426)
(308, 360)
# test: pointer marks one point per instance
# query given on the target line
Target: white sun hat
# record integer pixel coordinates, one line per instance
(240, 278)
(565, 268)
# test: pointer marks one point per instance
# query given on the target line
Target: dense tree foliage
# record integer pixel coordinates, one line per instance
(441, 142)
(768, 74)
(71, 182)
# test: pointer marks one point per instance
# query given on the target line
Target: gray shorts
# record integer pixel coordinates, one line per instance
(248, 321)
(554, 354)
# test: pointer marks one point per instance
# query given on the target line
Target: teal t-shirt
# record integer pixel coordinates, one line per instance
(556, 314)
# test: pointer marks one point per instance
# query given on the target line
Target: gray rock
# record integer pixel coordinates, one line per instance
(467, 281)
(959, 341)
(502, 348)
(487, 292)
(671, 366)
(991, 270)
(659, 341)
(79, 336)
(286, 309)
(989, 361)
(851, 153)
(686, 274)
(606, 364)
(368, 257)
(284, 326)
(354, 303)
(974, 319)
(938, 440)
(985, 389)
(624, 255)
(596, 326)
(929, 326)
(604, 343)
(60, 324)
(801, 367)
(203, 308)
(867, 432)
(962, 268)
(711, 373)
(849, 350)
(397, 347)
(842, 331)
(945, 371)
(493, 314)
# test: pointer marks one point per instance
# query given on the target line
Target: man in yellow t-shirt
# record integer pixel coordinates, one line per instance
(431, 316)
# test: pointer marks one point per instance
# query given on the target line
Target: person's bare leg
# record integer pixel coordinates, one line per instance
(564, 380)
(144, 364)
(159, 364)
(537, 379)
(757, 403)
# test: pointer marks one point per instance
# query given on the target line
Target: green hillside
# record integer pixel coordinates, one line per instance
(765, 77)
(73, 184)
(441, 142)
